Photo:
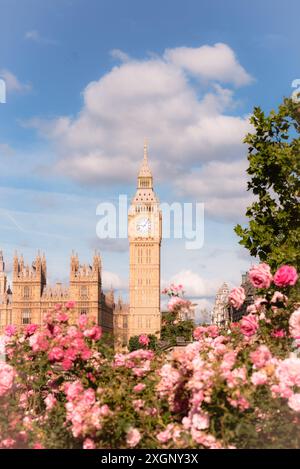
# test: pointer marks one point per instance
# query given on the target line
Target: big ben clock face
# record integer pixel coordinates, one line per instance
(143, 226)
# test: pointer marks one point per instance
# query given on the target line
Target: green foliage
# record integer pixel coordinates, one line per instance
(135, 345)
(274, 165)
(172, 329)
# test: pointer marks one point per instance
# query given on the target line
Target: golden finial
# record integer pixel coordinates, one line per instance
(145, 149)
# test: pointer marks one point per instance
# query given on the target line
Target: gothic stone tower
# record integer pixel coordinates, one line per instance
(144, 232)
(86, 289)
(3, 279)
(28, 285)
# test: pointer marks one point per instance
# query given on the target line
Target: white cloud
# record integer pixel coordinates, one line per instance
(199, 290)
(216, 62)
(119, 55)
(13, 84)
(221, 186)
(194, 285)
(187, 124)
(6, 150)
(203, 310)
(111, 279)
(34, 36)
(151, 98)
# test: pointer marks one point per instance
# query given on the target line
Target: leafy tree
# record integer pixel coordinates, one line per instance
(173, 328)
(273, 233)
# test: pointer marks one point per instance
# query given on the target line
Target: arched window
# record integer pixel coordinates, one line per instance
(26, 292)
(26, 316)
(84, 292)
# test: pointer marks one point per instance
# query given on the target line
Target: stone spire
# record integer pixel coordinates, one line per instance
(145, 170)
(3, 278)
(110, 296)
(2, 264)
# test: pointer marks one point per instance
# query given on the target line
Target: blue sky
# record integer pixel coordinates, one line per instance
(87, 81)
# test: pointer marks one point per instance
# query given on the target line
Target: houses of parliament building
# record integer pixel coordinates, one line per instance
(29, 297)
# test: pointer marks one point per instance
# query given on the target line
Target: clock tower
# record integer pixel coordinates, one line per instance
(144, 232)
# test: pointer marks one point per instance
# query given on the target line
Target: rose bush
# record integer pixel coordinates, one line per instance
(238, 387)
(174, 321)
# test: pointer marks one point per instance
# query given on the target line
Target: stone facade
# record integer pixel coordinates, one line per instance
(121, 314)
(144, 232)
(223, 313)
(220, 314)
(30, 298)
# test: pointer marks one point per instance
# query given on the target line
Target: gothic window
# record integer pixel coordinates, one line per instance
(148, 323)
(26, 316)
(140, 321)
(145, 183)
(84, 292)
(83, 311)
(26, 292)
(140, 255)
(125, 323)
(148, 254)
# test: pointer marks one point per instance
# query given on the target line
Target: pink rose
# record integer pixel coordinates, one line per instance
(62, 317)
(200, 421)
(260, 276)
(56, 354)
(249, 325)
(50, 401)
(144, 340)
(38, 445)
(66, 364)
(7, 443)
(198, 332)
(105, 410)
(89, 444)
(7, 375)
(70, 354)
(294, 402)
(82, 321)
(285, 275)
(164, 437)
(139, 387)
(213, 331)
(133, 437)
(260, 356)
(94, 333)
(259, 378)
(30, 329)
(70, 304)
(174, 302)
(294, 324)
(279, 297)
(237, 297)
(72, 331)
(288, 371)
(10, 330)
(73, 390)
(278, 334)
